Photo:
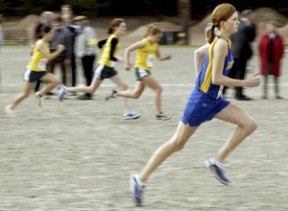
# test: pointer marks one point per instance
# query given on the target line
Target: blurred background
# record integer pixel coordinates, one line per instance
(183, 21)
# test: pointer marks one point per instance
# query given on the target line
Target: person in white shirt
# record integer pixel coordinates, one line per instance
(86, 50)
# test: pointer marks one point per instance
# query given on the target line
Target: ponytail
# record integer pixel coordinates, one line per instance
(211, 34)
(110, 30)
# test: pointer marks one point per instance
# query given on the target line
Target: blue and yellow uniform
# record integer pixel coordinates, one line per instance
(36, 68)
(205, 99)
(105, 67)
(145, 58)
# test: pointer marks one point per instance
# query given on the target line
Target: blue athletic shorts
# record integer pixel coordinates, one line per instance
(200, 108)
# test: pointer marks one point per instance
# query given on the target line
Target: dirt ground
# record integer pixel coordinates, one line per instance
(77, 155)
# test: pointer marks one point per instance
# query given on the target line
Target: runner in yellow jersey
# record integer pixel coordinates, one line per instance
(147, 52)
(36, 69)
(105, 68)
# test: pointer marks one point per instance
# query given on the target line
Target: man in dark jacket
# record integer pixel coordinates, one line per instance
(60, 36)
(242, 50)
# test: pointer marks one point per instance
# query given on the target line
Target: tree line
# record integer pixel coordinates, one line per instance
(95, 8)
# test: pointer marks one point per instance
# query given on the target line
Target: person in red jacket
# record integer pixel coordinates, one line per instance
(271, 51)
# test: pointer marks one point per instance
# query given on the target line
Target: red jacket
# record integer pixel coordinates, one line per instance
(278, 53)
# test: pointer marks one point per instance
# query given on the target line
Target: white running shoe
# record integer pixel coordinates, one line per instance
(136, 190)
(62, 92)
(9, 111)
(39, 100)
(131, 115)
(217, 170)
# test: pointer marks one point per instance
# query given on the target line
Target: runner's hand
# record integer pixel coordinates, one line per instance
(254, 81)
(60, 47)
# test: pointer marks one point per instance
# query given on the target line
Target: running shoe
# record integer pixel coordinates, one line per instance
(217, 170)
(131, 115)
(39, 100)
(162, 116)
(136, 190)
(9, 111)
(62, 92)
(111, 95)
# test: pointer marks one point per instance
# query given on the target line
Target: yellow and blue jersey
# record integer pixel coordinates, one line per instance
(205, 100)
(39, 61)
(204, 80)
(145, 56)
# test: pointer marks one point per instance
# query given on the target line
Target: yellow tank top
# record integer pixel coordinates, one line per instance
(105, 58)
(38, 61)
(145, 56)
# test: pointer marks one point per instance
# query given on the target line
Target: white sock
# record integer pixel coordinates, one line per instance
(140, 183)
(217, 163)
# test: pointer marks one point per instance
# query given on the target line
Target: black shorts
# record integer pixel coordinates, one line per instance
(32, 76)
(141, 73)
(103, 72)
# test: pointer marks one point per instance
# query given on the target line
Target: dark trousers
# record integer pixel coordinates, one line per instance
(60, 59)
(88, 65)
(37, 86)
(238, 71)
(73, 70)
(276, 81)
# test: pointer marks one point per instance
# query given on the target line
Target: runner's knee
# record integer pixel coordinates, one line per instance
(136, 95)
(159, 89)
(177, 143)
(250, 126)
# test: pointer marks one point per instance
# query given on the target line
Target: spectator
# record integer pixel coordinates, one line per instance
(60, 36)
(46, 19)
(271, 51)
(66, 9)
(242, 50)
(85, 49)
(73, 30)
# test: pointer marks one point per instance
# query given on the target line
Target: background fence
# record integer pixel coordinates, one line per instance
(16, 36)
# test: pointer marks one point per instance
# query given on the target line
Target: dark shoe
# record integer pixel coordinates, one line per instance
(162, 116)
(50, 93)
(111, 95)
(244, 97)
(85, 97)
(73, 94)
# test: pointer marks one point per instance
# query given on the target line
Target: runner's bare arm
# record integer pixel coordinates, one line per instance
(48, 55)
(199, 55)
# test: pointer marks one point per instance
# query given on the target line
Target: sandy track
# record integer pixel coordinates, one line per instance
(77, 155)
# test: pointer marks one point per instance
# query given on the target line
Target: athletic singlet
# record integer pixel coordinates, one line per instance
(110, 51)
(145, 56)
(204, 80)
(39, 61)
